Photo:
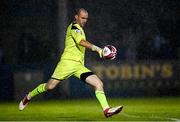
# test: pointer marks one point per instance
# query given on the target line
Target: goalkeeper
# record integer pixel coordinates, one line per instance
(72, 64)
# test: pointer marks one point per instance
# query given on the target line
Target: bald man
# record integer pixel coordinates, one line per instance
(72, 64)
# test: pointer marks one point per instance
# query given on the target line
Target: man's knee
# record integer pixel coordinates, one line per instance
(94, 81)
(99, 84)
(49, 87)
(51, 84)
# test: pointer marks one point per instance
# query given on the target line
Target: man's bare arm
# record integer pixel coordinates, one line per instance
(88, 45)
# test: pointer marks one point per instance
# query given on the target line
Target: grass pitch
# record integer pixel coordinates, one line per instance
(141, 109)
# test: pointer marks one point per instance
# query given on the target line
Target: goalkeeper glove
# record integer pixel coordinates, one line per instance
(98, 49)
(100, 53)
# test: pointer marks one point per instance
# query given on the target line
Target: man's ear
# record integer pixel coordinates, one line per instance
(76, 16)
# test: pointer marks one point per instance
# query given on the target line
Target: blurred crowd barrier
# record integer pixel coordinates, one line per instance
(121, 79)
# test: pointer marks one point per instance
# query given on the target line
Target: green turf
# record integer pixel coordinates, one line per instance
(141, 109)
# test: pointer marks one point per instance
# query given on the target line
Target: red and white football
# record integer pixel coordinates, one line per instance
(109, 52)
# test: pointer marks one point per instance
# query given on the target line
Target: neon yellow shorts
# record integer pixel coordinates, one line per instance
(67, 68)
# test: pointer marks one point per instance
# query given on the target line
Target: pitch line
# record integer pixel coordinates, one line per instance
(153, 117)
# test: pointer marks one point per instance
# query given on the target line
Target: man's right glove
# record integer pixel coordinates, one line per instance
(98, 49)
(100, 53)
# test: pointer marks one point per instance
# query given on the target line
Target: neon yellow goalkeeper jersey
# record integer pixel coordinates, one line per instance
(73, 50)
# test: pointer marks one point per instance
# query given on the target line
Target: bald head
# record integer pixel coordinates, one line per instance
(81, 16)
(78, 11)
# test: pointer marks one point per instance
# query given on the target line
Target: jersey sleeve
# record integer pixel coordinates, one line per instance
(76, 34)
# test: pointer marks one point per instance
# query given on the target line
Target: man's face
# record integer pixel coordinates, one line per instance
(81, 18)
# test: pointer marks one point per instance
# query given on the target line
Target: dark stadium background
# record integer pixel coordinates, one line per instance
(145, 32)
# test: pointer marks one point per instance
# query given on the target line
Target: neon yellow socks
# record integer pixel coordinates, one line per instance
(102, 99)
(38, 90)
(99, 95)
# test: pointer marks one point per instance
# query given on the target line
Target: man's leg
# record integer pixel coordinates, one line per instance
(97, 84)
(94, 81)
(51, 84)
